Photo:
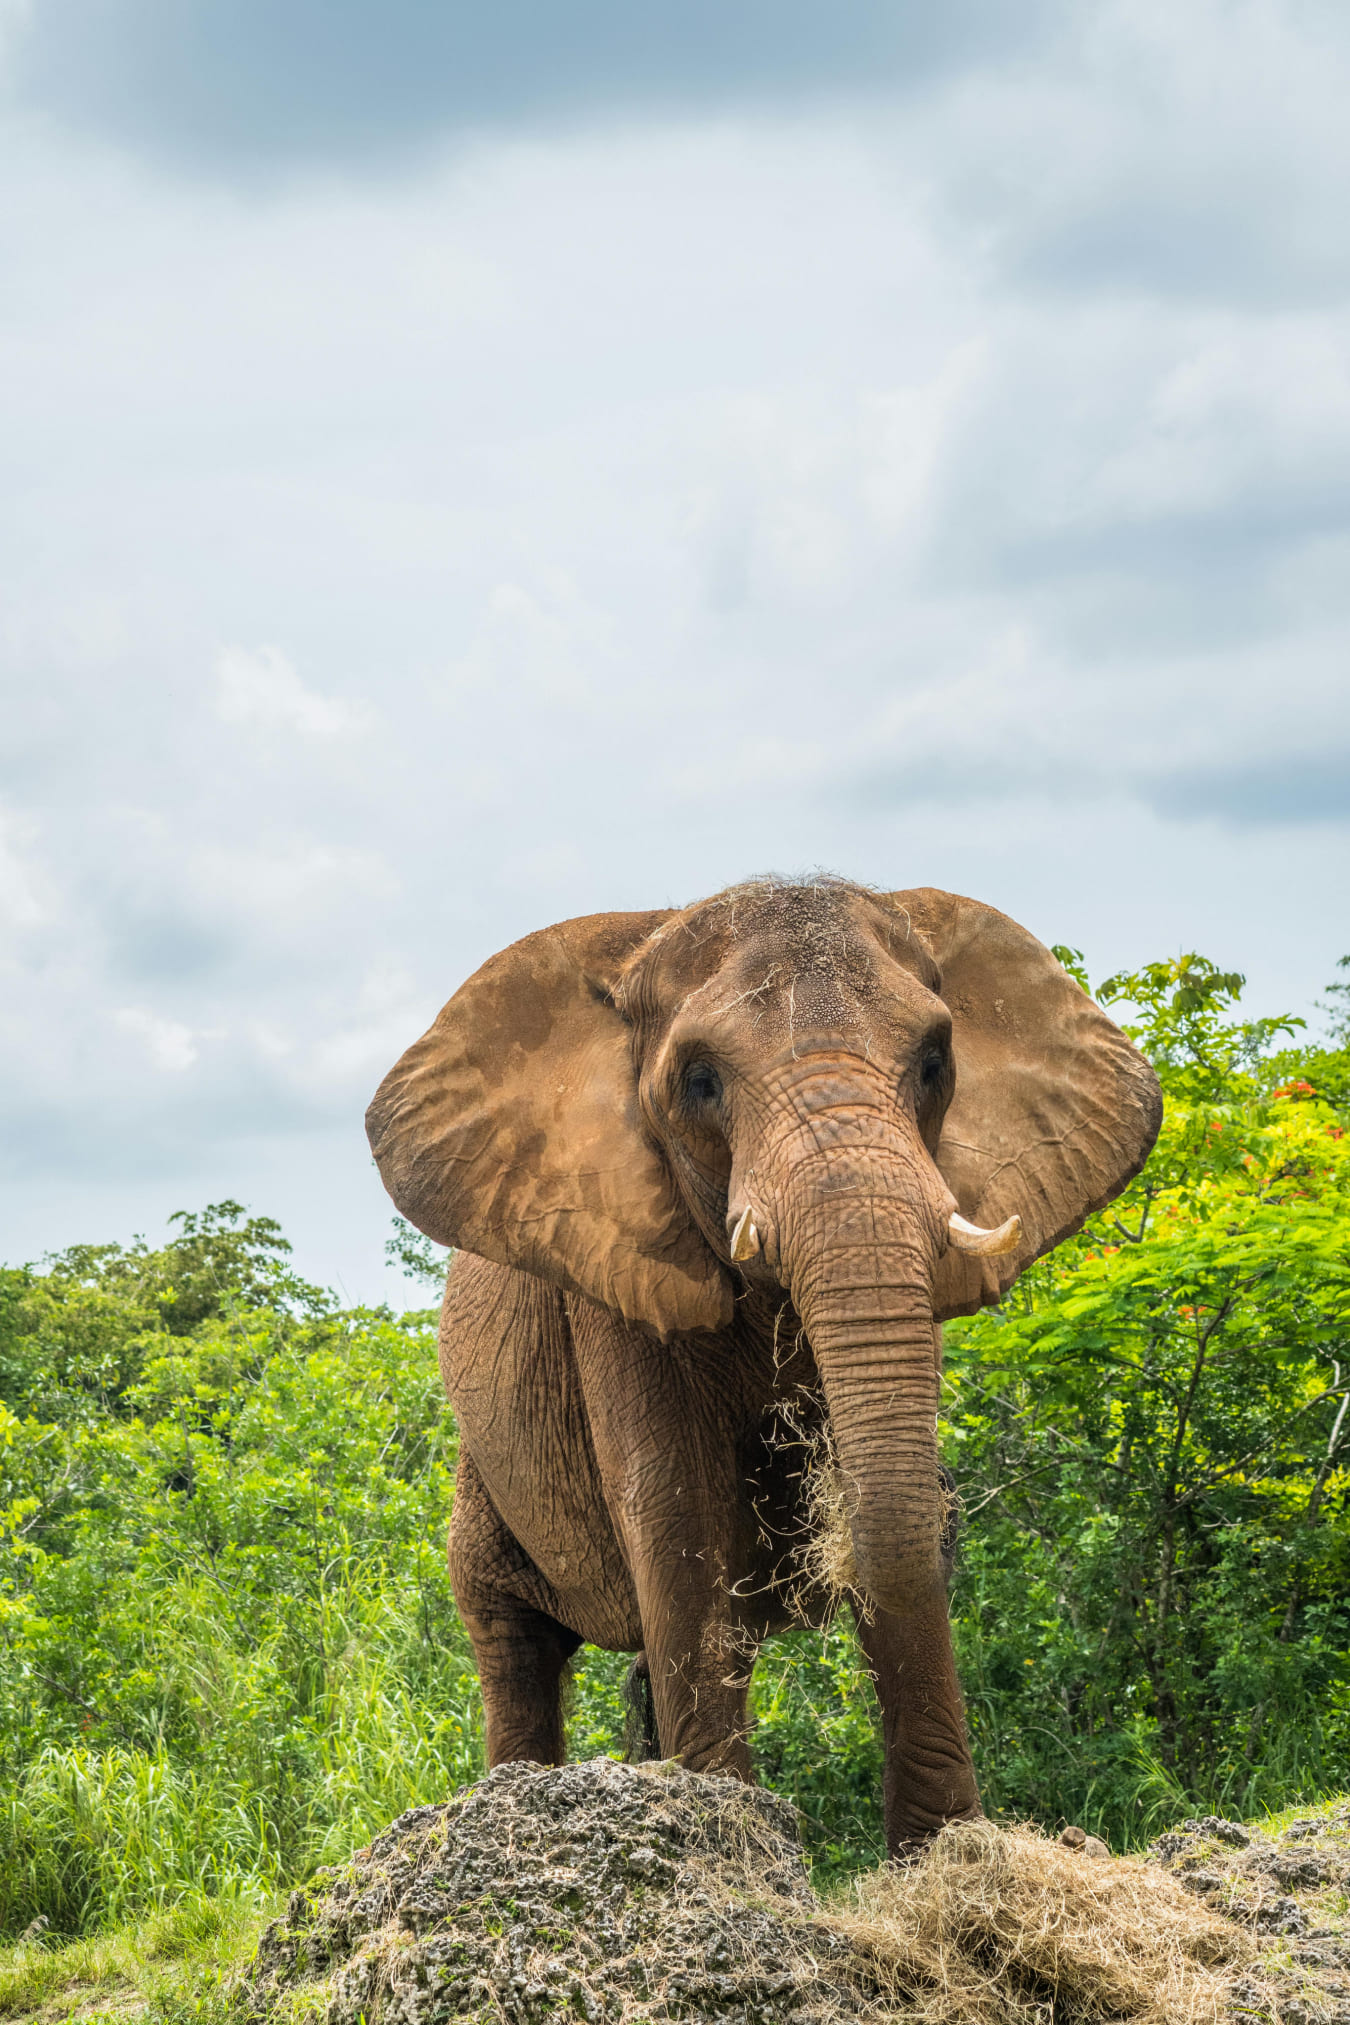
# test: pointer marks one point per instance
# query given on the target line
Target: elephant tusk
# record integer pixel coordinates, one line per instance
(745, 1237)
(968, 1237)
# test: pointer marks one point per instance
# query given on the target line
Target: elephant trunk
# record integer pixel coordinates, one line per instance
(857, 1240)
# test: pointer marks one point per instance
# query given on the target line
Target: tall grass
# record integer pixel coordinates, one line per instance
(92, 1837)
(372, 1723)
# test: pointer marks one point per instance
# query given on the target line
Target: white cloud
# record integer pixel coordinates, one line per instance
(20, 904)
(259, 686)
(170, 1045)
(542, 641)
(288, 884)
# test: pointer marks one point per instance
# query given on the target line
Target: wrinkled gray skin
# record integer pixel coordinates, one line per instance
(589, 1119)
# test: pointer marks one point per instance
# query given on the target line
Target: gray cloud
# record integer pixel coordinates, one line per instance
(1152, 154)
(247, 82)
(1298, 790)
(150, 941)
(1195, 244)
(1307, 787)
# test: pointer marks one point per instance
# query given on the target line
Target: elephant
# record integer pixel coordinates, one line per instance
(715, 1177)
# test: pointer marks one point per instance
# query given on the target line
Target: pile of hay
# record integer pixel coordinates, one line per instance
(995, 1924)
(616, 1892)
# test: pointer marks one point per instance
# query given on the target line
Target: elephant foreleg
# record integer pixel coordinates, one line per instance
(520, 1648)
(699, 1659)
(674, 1483)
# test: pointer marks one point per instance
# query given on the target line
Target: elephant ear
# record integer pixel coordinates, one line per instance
(512, 1129)
(1054, 1111)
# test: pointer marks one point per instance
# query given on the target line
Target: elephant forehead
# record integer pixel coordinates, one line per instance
(772, 954)
(861, 995)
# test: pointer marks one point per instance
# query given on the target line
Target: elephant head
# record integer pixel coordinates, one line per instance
(884, 1104)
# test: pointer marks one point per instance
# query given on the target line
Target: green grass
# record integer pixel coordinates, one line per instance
(172, 1968)
(93, 1838)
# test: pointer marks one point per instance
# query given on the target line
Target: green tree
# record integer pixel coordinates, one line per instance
(420, 1257)
(1152, 1437)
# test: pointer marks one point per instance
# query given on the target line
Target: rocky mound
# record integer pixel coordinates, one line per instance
(621, 1893)
(600, 1890)
(1289, 1888)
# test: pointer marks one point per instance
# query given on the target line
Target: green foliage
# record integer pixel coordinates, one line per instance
(817, 1739)
(1151, 1435)
(418, 1256)
(1074, 962)
(73, 1339)
(1337, 1009)
(227, 1641)
(1182, 1027)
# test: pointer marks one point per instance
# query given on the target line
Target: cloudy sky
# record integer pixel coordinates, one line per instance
(466, 465)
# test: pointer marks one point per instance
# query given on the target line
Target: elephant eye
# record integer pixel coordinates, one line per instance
(701, 1084)
(931, 1068)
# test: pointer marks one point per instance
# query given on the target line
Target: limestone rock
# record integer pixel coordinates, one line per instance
(594, 1891)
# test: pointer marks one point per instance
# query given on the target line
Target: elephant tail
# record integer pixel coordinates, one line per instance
(642, 1742)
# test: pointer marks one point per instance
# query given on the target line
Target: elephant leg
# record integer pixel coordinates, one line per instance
(674, 1484)
(699, 1658)
(521, 1656)
(642, 1741)
(929, 1777)
(520, 1647)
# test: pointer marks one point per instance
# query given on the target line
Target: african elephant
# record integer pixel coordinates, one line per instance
(715, 1173)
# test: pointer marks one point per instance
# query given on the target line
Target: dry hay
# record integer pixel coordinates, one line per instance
(824, 1570)
(826, 1554)
(997, 1924)
(622, 1893)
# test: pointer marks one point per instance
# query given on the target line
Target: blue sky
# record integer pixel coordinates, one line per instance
(462, 469)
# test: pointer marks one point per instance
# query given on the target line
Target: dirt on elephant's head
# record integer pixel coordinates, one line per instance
(603, 1891)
